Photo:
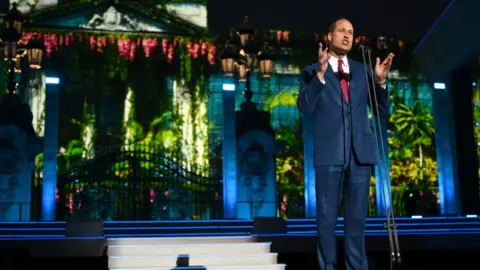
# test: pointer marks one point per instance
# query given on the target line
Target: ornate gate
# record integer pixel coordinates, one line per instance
(139, 182)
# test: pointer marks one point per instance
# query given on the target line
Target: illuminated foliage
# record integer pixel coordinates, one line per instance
(410, 141)
(412, 132)
(163, 105)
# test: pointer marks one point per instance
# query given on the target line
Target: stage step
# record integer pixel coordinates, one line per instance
(178, 240)
(221, 267)
(191, 253)
(168, 250)
(193, 259)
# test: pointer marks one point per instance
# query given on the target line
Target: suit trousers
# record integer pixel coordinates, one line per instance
(352, 183)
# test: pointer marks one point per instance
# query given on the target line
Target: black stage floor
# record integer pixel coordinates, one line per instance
(418, 260)
(426, 243)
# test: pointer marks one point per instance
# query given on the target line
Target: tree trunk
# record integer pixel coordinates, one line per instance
(420, 163)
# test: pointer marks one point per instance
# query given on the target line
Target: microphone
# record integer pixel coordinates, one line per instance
(363, 47)
(343, 75)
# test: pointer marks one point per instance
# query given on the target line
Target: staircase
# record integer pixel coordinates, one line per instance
(215, 253)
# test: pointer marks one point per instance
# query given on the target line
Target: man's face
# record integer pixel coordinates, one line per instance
(341, 37)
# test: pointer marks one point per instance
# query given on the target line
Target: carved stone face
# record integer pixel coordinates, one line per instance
(256, 163)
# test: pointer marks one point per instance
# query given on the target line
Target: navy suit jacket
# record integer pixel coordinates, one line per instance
(338, 125)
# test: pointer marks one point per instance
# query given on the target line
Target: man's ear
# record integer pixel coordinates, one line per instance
(329, 38)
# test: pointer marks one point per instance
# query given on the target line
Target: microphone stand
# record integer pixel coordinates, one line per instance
(390, 225)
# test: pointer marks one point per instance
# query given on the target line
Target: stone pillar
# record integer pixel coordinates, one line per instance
(17, 150)
(465, 147)
(442, 117)
(18, 147)
(50, 151)
(229, 153)
(256, 149)
(256, 175)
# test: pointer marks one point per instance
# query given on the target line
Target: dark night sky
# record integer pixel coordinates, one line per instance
(401, 18)
(3, 6)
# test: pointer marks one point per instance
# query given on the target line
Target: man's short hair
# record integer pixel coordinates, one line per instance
(334, 24)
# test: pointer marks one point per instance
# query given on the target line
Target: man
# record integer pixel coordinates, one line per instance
(335, 91)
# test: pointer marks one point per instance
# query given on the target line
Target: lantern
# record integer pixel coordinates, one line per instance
(14, 19)
(245, 32)
(35, 53)
(229, 57)
(265, 58)
(10, 39)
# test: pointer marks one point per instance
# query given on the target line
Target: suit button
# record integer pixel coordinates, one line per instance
(348, 129)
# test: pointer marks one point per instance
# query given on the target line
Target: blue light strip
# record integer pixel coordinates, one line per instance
(229, 156)
(248, 221)
(312, 233)
(50, 151)
(449, 225)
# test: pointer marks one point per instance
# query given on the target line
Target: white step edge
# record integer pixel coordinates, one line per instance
(165, 234)
(178, 240)
(221, 267)
(204, 260)
(165, 250)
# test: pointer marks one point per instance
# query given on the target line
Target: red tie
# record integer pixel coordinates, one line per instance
(343, 81)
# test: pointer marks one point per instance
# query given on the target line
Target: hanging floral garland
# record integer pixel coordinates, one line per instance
(126, 45)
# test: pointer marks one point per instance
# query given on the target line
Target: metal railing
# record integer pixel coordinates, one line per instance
(119, 184)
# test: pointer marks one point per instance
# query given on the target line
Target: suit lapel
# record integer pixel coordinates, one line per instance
(330, 75)
(355, 89)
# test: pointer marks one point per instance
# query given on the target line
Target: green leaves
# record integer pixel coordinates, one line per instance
(413, 125)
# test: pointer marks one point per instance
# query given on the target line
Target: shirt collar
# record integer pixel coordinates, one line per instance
(334, 60)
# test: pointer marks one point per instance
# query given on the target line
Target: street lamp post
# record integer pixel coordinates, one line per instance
(20, 143)
(14, 49)
(244, 60)
(238, 63)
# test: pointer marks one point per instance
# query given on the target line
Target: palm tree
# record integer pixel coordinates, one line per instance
(414, 126)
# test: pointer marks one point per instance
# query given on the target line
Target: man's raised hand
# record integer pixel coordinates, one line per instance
(322, 59)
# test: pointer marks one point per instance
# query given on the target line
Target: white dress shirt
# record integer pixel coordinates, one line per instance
(333, 62)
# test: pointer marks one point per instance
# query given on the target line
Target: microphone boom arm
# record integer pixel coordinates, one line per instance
(390, 224)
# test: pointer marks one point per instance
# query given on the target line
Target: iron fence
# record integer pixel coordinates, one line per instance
(135, 182)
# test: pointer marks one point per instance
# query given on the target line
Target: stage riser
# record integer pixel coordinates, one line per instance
(247, 224)
(235, 227)
(173, 250)
(175, 231)
(230, 223)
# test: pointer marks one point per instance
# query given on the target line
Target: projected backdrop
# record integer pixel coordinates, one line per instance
(141, 114)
